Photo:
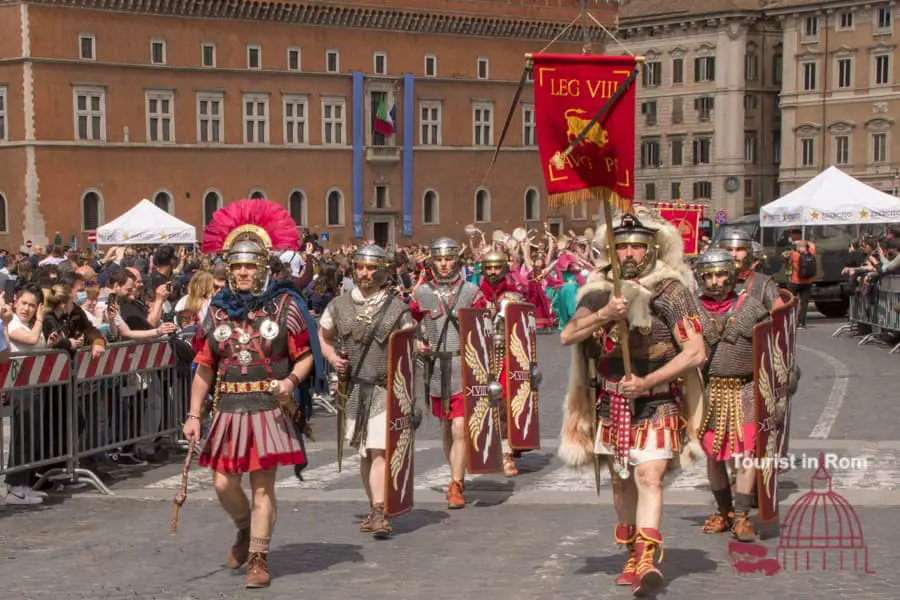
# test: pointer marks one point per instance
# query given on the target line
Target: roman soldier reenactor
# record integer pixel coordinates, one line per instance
(355, 330)
(634, 424)
(258, 350)
(438, 302)
(757, 284)
(496, 290)
(729, 425)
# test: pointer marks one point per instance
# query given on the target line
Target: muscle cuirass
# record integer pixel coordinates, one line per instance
(249, 354)
(352, 330)
(434, 300)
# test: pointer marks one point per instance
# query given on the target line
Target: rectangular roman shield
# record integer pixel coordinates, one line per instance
(523, 427)
(766, 390)
(483, 448)
(784, 329)
(399, 468)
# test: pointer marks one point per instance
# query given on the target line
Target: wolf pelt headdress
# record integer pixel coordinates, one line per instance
(577, 436)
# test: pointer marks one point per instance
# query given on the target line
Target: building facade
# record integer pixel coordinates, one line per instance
(708, 127)
(839, 99)
(199, 103)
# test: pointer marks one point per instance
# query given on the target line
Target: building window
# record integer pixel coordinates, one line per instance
(163, 200)
(430, 65)
(649, 191)
(160, 117)
(776, 147)
(295, 125)
(334, 208)
(529, 131)
(482, 67)
(482, 206)
(91, 211)
(883, 20)
(777, 68)
(676, 152)
(811, 29)
(258, 194)
(293, 59)
(212, 202)
(297, 207)
(382, 200)
(532, 205)
(158, 52)
(652, 74)
(256, 119)
(808, 152)
(4, 223)
(677, 111)
(677, 70)
(4, 136)
(482, 124)
(579, 211)
(705, 69)
(90, 114)
(332, 61)
(809, 76)
(879, 147)
(254, 57)
(430, 123)
(333, 130)
(648, 109)
(208, 55)
(751, 66)
(87, 46)
(748, 189)
(380, 63)
(882, 69)
(209, 118)
(702, 150)
(702, 190)
(650, 155)
(430, 208)
(845, 73)
(751, 101)
(845, 21)
(842, 150)
(704, 106)
(675, 190)
(750, 148)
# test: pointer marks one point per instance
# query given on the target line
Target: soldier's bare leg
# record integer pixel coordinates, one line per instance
(365, 468)
(648, 477)
(743, 501)
(262, 522)
(721, 488)
(458, 449)
(235, 503)
(625, 502)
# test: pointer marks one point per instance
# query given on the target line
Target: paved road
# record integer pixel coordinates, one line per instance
(541, 534)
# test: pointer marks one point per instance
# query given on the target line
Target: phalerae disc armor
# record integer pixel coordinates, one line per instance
(444, 246)
(370, 254)
(738, 239)
(495, 258)
(632, 231)
(712, 261)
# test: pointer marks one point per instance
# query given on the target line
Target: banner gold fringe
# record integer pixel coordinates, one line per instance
(586, 194)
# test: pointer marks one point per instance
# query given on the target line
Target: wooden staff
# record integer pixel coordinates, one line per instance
(181, 496)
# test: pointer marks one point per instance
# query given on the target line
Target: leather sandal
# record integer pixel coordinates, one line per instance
(509, 465)
(381, 527)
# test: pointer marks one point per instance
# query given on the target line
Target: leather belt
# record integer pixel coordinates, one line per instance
(248, 387)
(614, 386)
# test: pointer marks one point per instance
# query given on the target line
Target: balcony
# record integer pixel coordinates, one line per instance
(383, 154)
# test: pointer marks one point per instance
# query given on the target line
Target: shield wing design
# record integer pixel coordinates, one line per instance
(767, 393)
(520, 363)
(483, 449)
(398, 497)
(784, 328)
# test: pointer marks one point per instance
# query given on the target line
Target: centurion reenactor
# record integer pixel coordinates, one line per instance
(355, 331)
(760, 285)
(633, 423)
(438, 301)
(730, 423)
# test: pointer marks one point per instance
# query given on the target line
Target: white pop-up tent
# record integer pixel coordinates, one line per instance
(146, 223)
(831, 198)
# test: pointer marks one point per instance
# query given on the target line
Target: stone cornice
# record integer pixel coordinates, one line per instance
(347, 16)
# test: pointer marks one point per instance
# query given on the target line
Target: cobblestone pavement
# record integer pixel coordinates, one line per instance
(542, 534)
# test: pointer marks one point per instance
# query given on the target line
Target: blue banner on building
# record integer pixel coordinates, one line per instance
(409, 129)
(358, 153)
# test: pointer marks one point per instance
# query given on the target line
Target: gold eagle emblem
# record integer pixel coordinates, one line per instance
(400, 387)
(481, 412)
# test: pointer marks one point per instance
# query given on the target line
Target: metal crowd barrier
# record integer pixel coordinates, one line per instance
(65, 411)
(872, 313)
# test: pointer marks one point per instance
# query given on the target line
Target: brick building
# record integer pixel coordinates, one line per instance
(196, 103)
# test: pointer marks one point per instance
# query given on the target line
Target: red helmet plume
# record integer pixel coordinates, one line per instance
(265, 219)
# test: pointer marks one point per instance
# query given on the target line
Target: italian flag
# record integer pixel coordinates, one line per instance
(384, 120)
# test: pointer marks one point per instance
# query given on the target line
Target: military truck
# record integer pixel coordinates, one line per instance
(830, 292)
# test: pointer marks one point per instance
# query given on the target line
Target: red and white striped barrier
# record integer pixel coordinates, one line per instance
(124, 359)
(29, 371)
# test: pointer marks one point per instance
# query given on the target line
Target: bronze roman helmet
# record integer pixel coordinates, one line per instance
(738, 239)
(715, 261)
(370, 254)
(632, 231)
(495, 258)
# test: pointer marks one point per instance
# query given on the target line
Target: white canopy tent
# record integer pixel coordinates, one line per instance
(146, 223)
(831, 198)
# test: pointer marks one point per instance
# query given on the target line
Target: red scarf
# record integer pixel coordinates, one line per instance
(718, 307)
(492, 293)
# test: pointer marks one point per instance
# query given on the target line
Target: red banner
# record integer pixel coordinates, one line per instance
(686, 218)
(569, 91)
